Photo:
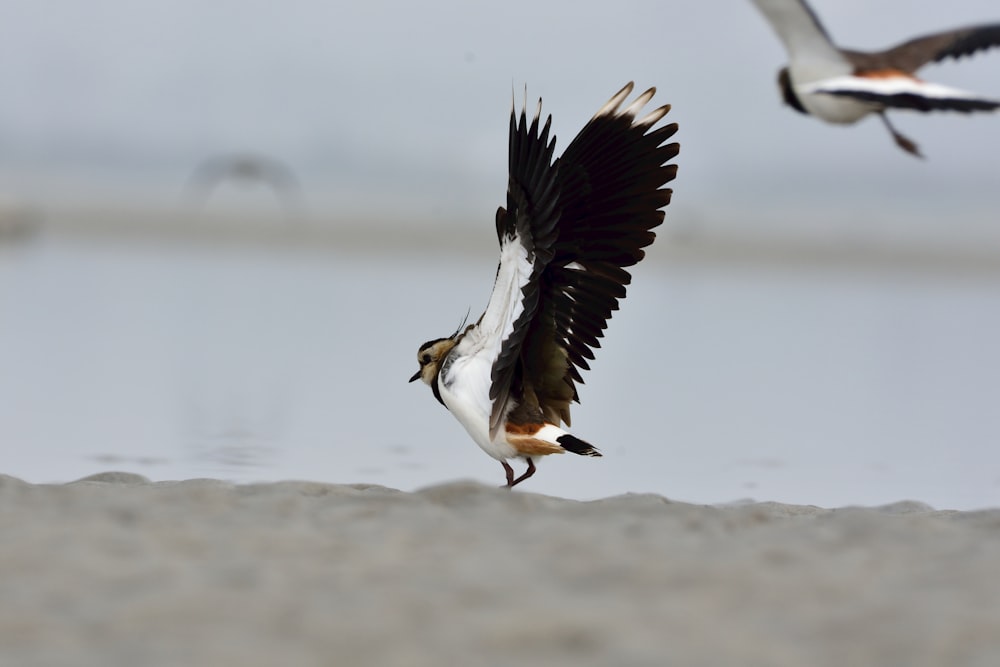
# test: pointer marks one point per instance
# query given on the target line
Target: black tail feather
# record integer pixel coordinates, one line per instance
(571, 443)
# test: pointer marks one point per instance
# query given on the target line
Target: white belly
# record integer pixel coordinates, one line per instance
(831, 108)
(834, 108)
(466, 393)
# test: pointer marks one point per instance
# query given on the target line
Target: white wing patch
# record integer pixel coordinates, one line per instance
(506, 301)
(466, 382)
(887, 86)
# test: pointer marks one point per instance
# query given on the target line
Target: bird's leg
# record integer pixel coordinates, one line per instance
(510, 474)
(527, 473)
(903, 142)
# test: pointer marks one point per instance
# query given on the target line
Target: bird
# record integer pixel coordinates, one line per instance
(570, 229)
(246, 168)
(842, 86)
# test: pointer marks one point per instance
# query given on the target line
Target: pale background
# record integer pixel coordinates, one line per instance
(816, 324)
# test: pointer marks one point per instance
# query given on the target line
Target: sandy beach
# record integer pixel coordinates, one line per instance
(117, 570)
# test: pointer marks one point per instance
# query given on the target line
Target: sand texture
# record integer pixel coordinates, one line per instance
(115, 570)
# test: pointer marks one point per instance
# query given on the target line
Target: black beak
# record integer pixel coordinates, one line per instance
(416, 376)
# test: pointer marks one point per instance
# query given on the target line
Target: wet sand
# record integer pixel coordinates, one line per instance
(116, 570)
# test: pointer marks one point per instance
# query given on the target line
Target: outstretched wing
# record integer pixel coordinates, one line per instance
(799, 29)
(526, 230)
(610, 194)
(915, 53)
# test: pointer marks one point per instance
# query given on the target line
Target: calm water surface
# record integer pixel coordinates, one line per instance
(828, 385)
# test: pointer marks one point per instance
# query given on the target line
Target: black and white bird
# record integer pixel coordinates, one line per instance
(843, 86)
(570, 228)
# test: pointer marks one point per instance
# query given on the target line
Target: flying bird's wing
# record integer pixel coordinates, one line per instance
(894, 90)
(610, 194)
(799, 29)
(915, 53)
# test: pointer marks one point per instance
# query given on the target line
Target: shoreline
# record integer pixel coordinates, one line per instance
(116, 570)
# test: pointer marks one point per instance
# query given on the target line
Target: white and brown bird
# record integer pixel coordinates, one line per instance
(570, 228)
(843, 86)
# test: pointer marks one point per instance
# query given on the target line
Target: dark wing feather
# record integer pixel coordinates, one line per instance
(529, 219)
(611, 193)
(915, 53)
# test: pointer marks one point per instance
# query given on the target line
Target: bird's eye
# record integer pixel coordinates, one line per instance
(426, 359)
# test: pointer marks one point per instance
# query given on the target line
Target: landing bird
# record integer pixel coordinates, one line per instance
(570, 228)
(843, 86)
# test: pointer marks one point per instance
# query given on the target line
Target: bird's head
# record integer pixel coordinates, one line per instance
(787, 89)
(429, 357)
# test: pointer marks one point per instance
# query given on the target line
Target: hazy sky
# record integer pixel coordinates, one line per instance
(403, 106)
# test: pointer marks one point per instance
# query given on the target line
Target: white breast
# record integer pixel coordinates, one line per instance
(465, 390)
(834, 108)
(466, 377)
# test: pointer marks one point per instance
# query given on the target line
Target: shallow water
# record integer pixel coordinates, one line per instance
(828, 385)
